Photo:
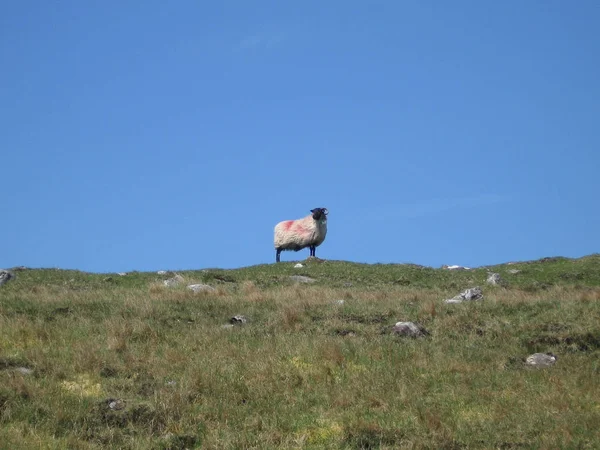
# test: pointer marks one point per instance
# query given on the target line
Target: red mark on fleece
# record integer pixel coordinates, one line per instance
(288, 224)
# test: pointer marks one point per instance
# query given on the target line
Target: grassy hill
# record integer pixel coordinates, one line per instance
(108, 361)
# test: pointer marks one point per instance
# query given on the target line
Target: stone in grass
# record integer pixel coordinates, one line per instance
(171, 282)
(24, 370)
(6, 276)
(298, 266)
(514, 271)
(201, 288)
(302, 279)
(541, 360)
(410, 329)
(471, 294)
(238, 320)
(495, 279)
(162, 272)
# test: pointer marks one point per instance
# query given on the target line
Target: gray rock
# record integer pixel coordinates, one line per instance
(162, 272)
(455, 267)
(302, 279)
(514, 271)
(339, 302)
(116, 404)
(410, 329)
(228, 326)
(541, 360)
(494, 279)
(177, 279)
(471, 294)
(201, 288)
(238, 320)
(24, 370)
(298, 266)
(347, 284)
(6, 276)
(122, 274)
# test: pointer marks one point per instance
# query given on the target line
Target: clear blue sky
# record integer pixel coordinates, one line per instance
(147, 135)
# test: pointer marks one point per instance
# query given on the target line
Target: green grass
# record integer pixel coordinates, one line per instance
(305, 372)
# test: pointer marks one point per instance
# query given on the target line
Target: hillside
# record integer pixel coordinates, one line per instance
(124, 361)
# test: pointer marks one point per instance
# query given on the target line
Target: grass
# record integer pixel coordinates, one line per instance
(305, 371)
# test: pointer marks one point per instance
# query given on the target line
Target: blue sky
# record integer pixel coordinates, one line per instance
(175, 135)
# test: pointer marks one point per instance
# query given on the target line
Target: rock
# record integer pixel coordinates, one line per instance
(115, 404)
(514, 271)
(122, 274)
(302, 279)
(177, 279)
(171, 383)
(6, 276)
(298, 266)
(338, 302)
(162, 272)
(238, 320)
(410, 329)
(228, 326)
(201, 288)
(455, 268)
(24, 370)
(495, 279)
(471, 294)
(541, 360)
(347, 284)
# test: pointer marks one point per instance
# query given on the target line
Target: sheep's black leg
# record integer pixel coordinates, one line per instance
(278, 254)
(312, 250)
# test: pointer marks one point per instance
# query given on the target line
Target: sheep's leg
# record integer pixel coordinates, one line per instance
(312, 250)
(277, 257)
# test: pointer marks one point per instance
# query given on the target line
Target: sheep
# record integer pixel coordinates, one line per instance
(301, 233)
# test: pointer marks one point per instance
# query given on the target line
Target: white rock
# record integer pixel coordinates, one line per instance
(122, 274)
(162, 272)
(494, 279)
(410, 329)
(541, 360)
(177, 279)
(298, 266)
(456, 268)
(201, 288)
(471, 294)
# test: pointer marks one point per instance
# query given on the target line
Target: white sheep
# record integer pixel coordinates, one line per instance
(301, 233)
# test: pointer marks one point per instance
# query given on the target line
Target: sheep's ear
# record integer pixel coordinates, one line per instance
(325, 211)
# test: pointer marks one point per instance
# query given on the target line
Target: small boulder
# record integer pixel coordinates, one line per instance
(116, 404)
(298, 266)
(177, 279)
(6, 276)
(495, 279)
(162, 272)
(24, 370)
(455, 267)
(471, 294)
(238, 320)
(410, 329)
(514, 271)
(302, 279)
(122, 274)
(201, 288)
(541, 360)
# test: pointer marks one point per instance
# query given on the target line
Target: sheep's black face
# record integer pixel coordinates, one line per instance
(319, 213)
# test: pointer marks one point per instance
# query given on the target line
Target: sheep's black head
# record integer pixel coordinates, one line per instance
(319, 213)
